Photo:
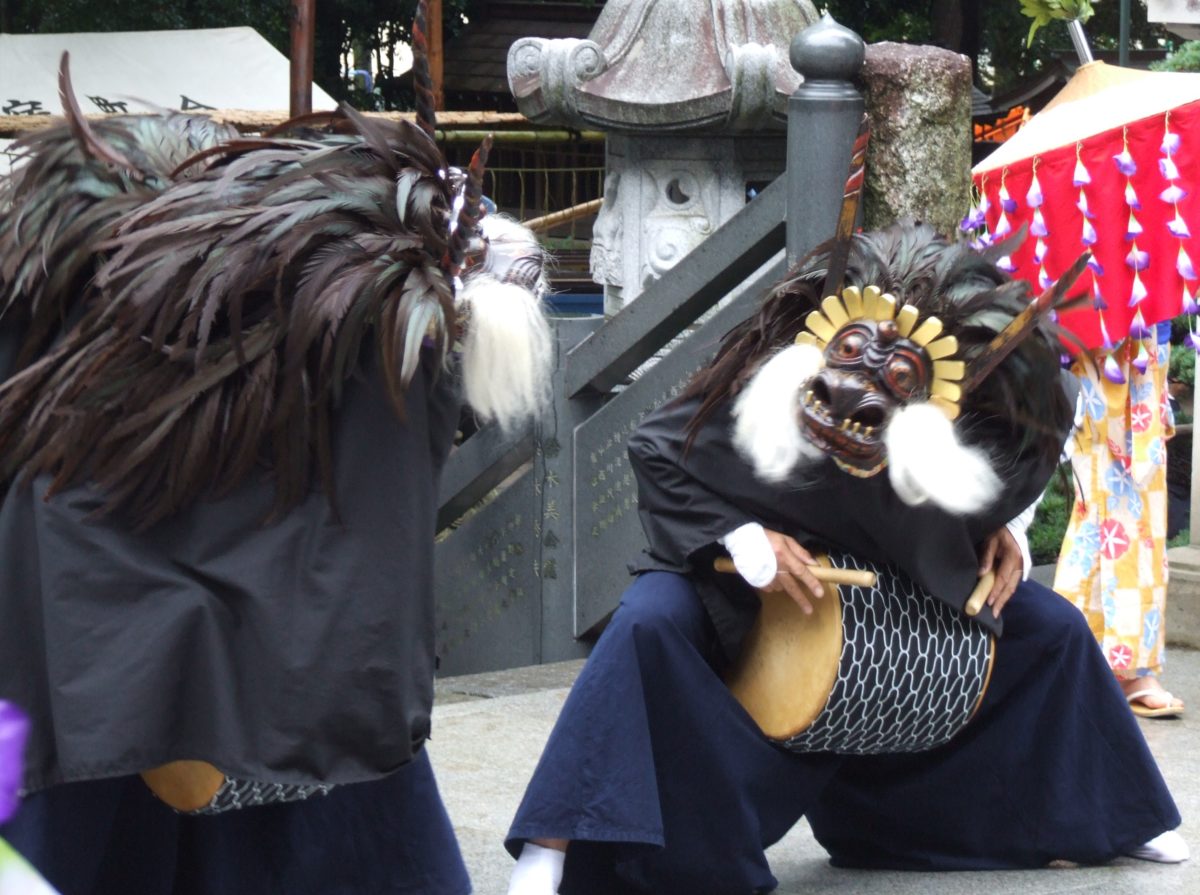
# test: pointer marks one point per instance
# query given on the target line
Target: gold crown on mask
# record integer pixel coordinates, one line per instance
(872, 303)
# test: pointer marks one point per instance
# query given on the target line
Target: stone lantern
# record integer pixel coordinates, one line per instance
(693, 98)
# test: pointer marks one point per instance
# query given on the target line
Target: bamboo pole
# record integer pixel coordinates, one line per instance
(565, 216)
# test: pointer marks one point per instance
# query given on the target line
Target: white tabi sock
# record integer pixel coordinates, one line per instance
(538, 871)
(1166, 848)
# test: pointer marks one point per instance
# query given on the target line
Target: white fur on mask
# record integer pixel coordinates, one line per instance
(766, 428)
(507, 351)
(927, 462)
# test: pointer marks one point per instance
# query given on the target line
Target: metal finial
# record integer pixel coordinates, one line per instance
(827, 51)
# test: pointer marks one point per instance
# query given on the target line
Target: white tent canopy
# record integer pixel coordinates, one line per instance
(219, 68)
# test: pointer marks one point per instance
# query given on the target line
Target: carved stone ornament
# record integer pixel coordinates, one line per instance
(665, 65)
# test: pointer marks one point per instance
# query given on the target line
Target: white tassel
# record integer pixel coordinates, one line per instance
(766, 428)
(507, 351)
(927, 462)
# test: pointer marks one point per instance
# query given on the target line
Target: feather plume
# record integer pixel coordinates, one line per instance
(766, 428)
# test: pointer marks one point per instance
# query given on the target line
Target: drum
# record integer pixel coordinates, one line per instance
(874, 669)
(196, 787)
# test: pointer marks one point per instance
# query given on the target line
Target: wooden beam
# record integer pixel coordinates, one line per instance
(303, 16)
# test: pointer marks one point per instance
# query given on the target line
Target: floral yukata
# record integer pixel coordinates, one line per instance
(1113, 563)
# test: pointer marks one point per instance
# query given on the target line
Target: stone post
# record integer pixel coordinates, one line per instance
(823, 118)
(919, 159)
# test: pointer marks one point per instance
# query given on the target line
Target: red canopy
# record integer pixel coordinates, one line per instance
(1112, 164)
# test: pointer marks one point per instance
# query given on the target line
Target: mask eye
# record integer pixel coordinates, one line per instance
(847, 347)
(904, 375)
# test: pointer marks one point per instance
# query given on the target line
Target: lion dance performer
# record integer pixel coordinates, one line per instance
(233, 369)
(897, 419)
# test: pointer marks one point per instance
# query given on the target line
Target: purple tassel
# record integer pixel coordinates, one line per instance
(1112, 371)
(1125, 163)
(1188, 305)
(1034, 197)
(1173, 194)
(1003, 227)
(1142, 360)
(1007, 203)
(1131, 198)
(973, 220)
(1134, 228)
(1089, 235)
(1166, 167)
(1006, 264)
(1178, 227)
(1137, 326)
(1039, 251)
(1044, 280)
(1095, 266)
(1098, 301)
(1183, 264)
(1137, 258)
(1082, 205)
(1081, 177)
(1038, 227)
(1193, 341)
(1170, 143)
(1137, 292)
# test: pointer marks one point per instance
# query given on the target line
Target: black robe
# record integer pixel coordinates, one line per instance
(301, 651)
(690, 497)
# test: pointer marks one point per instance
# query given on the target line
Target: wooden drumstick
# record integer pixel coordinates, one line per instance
(980, 593)
(858, 577)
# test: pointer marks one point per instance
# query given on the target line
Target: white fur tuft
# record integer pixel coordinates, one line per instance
(507, 351)
(927, 462)
(766, 428)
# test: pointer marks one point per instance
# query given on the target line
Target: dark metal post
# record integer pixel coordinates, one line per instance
(303, 15)
(823, 118)
(1123, 40)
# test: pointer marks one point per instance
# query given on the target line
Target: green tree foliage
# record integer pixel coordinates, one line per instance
(1184, 58)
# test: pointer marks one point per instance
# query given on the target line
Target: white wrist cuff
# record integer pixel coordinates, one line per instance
(752, 554)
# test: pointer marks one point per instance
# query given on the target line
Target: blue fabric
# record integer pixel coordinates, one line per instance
(664, 784)
(112, 837)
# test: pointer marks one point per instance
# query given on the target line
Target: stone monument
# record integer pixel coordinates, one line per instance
(693, 97)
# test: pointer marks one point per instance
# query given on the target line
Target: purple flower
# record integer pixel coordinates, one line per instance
(1137, 326)
(1007, 203)
(1178, 227)
(1089, 234)
(1082, 205)
(1193, 341)
(1142, 360)
(1034, 197)
(1039, 251)
(1081, 176)
(1038, 227)
(1183, 264)
(1166, 167)
(1112, 371)
(1134, 228)
(1188, 305)
(1170, 143)
(1137, 292)
(1131, 198)
(1125, 163)
(1172, 194)
(1095, 266)
(14, 729)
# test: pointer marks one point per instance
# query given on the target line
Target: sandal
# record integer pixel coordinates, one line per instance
(1172, 708)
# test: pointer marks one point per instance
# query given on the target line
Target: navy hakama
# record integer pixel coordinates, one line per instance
(664, 784)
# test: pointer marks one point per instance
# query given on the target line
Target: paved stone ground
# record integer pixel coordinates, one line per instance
(489, 730)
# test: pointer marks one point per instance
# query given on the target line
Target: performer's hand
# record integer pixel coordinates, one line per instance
(1002, 556)
(794, 576)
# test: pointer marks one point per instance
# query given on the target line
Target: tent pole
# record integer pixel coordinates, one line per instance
(1080, 42)
(303, 14)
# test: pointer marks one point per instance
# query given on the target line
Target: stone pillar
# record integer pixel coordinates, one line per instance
(919, 160)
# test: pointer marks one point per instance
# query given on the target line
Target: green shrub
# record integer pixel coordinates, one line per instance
(1050, 523)
(1185, 58)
